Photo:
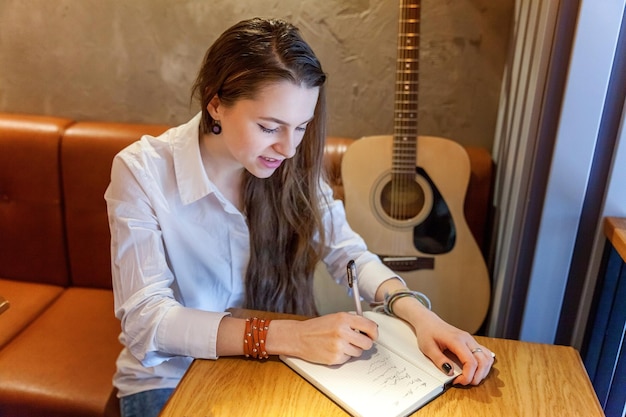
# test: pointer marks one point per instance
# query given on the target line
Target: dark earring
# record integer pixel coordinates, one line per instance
(216, 127)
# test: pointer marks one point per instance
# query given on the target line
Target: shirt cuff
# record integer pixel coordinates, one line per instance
(376, 274)
(190, 332)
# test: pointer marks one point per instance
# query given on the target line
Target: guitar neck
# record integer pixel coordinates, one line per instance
(410, 210)
(406, 94)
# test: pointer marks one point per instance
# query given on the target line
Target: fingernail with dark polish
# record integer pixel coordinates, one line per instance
(446, 367)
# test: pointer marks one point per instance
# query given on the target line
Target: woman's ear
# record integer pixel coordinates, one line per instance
(214, 107)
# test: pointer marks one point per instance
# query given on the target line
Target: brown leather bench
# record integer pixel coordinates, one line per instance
(58, 341)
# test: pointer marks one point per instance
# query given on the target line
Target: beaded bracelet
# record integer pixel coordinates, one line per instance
(387, 305)
(254, 338)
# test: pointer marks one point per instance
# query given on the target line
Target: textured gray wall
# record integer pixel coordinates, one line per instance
(135, 60)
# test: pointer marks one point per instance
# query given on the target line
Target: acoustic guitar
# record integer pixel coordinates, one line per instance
(404, 195)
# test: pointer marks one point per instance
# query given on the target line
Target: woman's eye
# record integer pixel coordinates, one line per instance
(301, 129)
(266, 130)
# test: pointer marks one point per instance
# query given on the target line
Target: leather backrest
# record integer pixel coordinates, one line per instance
(87, 152)
(333, 152)
(32, 238)
(478, 207)
(53, 175)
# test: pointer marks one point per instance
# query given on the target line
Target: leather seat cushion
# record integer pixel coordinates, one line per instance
(63, 363)
(28, 301)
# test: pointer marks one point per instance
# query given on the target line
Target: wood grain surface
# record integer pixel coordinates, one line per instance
(528, 379)
(615, 231)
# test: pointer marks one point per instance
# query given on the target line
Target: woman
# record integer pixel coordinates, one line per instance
(229, 210)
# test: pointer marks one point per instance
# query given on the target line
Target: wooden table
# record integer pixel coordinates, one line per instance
(615, 231)
(528, 379)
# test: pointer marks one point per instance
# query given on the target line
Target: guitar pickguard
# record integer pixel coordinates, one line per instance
(436, 234)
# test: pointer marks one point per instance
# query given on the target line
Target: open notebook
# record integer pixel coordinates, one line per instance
(394, 378)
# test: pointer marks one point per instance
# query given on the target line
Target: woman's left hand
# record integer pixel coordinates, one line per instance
(435, 336)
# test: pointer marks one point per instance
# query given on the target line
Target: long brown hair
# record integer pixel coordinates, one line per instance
(283, 211)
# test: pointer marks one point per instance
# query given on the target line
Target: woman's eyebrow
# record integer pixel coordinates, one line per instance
(282, 122)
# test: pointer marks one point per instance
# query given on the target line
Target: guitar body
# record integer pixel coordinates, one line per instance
(431, 247)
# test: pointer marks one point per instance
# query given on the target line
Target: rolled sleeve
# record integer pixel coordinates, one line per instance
(190, 332)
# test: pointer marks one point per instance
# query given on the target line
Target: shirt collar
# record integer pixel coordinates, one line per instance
(193, 183)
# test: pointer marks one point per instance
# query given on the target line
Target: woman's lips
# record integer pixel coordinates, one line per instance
(270, 162)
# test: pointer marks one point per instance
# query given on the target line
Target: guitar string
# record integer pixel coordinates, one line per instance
(397, 178)
(406, 111)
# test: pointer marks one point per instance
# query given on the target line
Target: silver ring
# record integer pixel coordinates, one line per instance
(477, 350)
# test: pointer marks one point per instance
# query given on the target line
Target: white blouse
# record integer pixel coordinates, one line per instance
(179, 252)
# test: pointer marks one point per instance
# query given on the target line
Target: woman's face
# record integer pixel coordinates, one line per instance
(260, 133)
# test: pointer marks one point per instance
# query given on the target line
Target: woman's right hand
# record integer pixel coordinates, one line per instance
(330, 340)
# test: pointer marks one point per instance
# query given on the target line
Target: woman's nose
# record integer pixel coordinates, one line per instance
(287, 145)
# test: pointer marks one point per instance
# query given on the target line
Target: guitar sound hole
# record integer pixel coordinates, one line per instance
(402, 200)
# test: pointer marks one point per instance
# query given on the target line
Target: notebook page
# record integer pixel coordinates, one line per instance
(379, 383)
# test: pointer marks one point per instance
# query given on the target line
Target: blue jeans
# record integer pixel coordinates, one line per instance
(145, 404)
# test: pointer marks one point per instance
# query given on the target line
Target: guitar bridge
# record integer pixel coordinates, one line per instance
(407, 263)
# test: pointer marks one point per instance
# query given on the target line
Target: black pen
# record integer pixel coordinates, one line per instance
(354, 284)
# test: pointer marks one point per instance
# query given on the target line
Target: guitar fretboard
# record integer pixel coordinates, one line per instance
(406, 95)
